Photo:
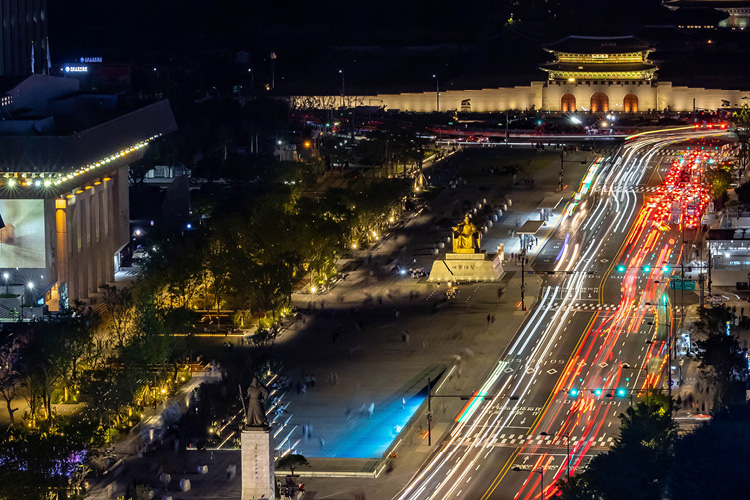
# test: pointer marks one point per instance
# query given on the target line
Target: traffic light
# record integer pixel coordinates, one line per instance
(647, 269)
(621, 392)
(665, 269)
(621, 269)
(597, 392)
(573, 392)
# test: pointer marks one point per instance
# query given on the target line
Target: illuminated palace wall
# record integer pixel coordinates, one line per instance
(544, 96)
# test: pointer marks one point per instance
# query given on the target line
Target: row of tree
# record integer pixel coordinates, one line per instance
(256, 247)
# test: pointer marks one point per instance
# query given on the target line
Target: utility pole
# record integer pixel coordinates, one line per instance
(429, 413)
(437, 92)
(507, 131)
(343, 89)
(562, 168)
(523, 278)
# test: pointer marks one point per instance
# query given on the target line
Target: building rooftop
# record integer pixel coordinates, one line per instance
(713, 4)
(51, 134)
(576, 44)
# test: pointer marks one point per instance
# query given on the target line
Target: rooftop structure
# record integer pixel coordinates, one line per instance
(738, 11)
(600, 58)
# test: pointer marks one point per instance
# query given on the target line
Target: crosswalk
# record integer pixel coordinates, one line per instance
(631, 189)
(590, 306)
(523, 439)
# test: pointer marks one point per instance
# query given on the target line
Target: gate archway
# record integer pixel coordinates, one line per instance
(568, 102)
(599, 102)
(630, 103)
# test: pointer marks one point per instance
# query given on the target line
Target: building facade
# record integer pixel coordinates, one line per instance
(64, 204)
(23, 37)
(589, 74)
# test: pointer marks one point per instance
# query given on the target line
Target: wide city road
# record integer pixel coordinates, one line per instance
(597, 337)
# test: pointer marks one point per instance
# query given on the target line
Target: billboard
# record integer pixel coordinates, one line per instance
(22, 239)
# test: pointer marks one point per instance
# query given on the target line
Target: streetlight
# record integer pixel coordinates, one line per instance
(343, 87)
(6, 276)
(30, 286)
(540, 470)
(567, 444)
(437, 92)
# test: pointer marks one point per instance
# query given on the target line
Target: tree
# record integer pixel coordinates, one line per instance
(575, 488)
(722, 360)
(37, 466)
(10, 374)
(119, 304)
(50, 358)
(719, 181)
(712, 461)
(636, 467)
(292, 461)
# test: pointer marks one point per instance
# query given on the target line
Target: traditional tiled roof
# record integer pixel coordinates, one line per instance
(597, 67)
(598, 45)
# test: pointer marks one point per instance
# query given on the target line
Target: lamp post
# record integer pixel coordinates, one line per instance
(523, 282)
(669, 351)
(343, 87)
(541, 476)
(567, 444)
(437, 92)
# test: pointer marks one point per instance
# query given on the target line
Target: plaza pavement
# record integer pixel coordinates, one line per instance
(370, 360)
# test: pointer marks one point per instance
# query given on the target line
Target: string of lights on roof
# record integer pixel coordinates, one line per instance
(49, 179)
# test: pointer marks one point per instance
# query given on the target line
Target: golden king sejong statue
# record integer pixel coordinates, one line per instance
(466, 237)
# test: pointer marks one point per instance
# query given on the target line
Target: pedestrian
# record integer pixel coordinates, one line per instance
(425, 345)
(313, 381)
(371, 409)
(397, 314)
(322, 443)
(403, 403)
(493, 319)
(309, 431)
(362, 410)
(489, 318)
(304, 431)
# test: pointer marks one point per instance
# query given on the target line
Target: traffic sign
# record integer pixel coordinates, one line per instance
(682, 285)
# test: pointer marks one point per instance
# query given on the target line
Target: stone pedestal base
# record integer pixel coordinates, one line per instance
(257, 464)
(457, 267)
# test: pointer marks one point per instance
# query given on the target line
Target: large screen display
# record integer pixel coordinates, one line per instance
(22, 238)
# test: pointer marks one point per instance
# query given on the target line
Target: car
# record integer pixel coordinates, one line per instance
(140, 254)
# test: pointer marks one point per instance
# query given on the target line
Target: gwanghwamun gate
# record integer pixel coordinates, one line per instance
(596, 74)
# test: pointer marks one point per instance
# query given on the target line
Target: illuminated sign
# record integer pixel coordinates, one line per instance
(22, 238)
(90, 60)
(76, 69)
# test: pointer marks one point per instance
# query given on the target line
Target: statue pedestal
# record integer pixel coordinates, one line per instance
(258, 479)
(457, 267)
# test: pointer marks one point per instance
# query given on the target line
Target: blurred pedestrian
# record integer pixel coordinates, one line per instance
(371, 409)
(403, 403)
